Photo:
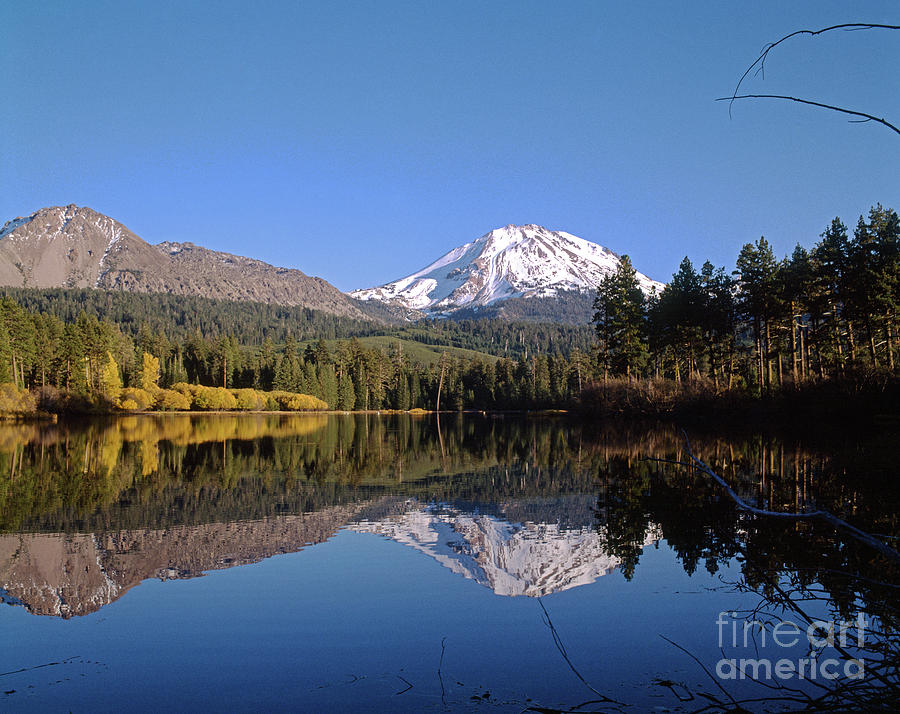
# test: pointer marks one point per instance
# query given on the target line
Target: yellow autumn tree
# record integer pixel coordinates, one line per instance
(110, 379)
(150, 373)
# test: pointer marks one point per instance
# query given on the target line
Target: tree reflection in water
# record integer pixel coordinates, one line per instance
(805, 572)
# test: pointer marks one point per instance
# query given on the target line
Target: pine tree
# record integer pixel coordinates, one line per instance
(5, 355)
(328, 385)
(620, 320)
(757, 268)
(71, 361)
(346, 398)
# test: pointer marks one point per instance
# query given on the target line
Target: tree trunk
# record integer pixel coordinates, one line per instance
(804, 354)
(837, 338)
(759, 355)
(437, 405)
(793, 344)
(871, 341)
(890, 343)
(730, 368)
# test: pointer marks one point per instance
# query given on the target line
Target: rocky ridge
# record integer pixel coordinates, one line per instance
(77, 247)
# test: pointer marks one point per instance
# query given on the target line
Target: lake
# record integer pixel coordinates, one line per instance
(406, 563)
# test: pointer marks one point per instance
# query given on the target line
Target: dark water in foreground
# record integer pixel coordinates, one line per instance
(334, 563)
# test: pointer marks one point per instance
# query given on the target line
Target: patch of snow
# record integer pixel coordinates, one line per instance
(116, 235)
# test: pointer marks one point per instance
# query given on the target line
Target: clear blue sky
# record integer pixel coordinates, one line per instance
(359, 141)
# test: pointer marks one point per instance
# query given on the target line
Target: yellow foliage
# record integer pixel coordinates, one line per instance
(110, 380)
(293, 402)
(184, 397)
(171, 400)
(128, 405)
(250, 399)
(16, 401)
(213, 399)
(150, 373)
(141, 397)
(149, 457)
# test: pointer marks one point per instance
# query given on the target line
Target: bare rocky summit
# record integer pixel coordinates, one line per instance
(76, 247)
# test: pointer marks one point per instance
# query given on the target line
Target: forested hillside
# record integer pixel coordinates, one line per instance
(77, 342)
(177, 317)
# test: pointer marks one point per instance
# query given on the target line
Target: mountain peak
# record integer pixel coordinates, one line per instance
(515, 261)
(77, 247)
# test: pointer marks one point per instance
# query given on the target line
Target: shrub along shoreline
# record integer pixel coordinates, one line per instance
(181, 397)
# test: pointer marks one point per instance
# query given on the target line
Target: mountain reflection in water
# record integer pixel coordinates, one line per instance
(533, 559)
(76, 574)
(521, 506)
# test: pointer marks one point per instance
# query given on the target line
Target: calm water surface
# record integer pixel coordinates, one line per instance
(394, 563)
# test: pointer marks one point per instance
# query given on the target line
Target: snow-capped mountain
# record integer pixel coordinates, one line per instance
(511, 262)
(531, 559)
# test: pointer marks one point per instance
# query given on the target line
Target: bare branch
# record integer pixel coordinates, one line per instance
(760, 62)
(866, 117)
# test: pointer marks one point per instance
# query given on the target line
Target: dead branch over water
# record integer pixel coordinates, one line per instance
(862, 536)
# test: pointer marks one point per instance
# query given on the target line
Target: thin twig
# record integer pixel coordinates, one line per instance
(440, 664)
(408, 687)
(703, 667)
(39, 666)
(562, 650)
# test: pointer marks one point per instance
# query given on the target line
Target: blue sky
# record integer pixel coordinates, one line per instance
(358, 141)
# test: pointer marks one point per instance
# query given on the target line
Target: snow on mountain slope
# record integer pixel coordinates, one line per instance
(513, 261)
(531, 559)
